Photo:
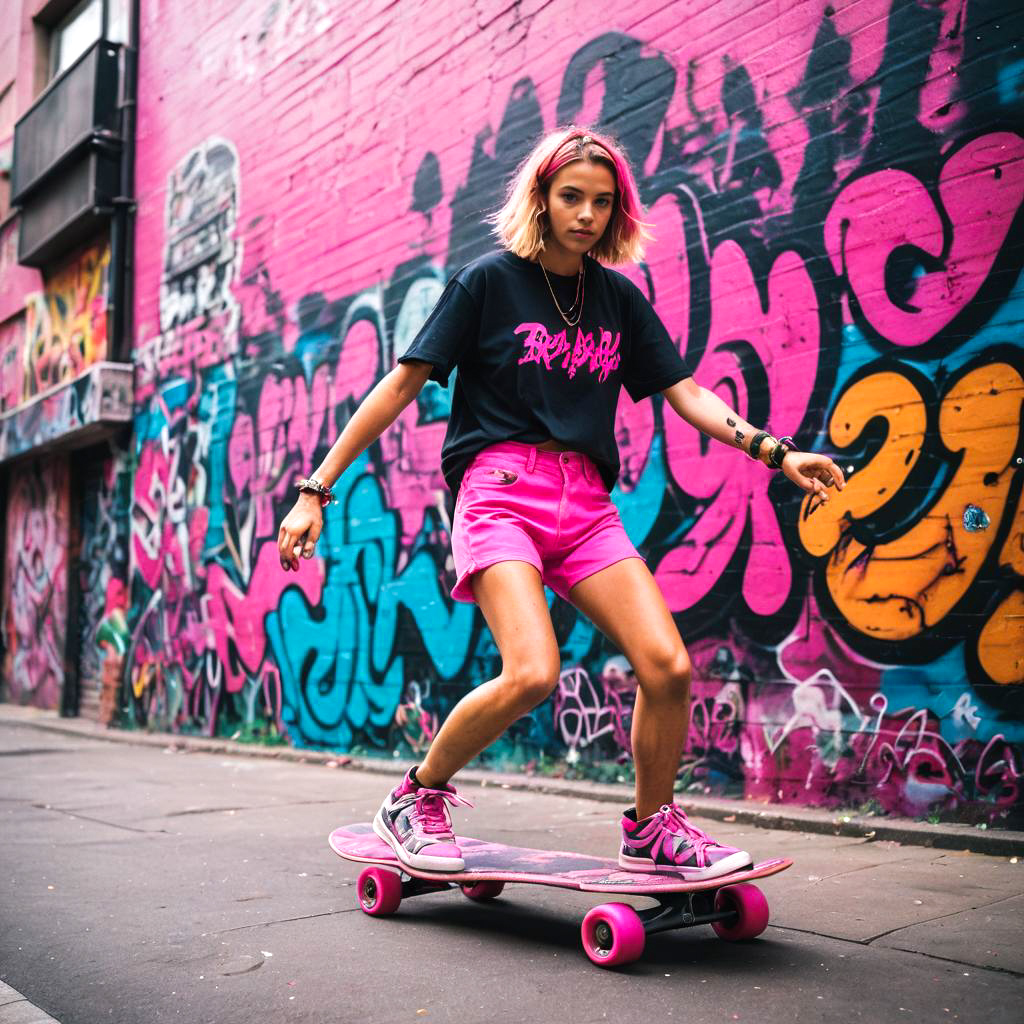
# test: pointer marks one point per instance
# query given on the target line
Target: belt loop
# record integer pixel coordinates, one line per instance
(531, 460)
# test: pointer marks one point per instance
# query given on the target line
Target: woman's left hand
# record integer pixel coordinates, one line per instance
(814, 474)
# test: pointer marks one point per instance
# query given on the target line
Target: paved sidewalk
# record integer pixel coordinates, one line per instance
(16, 1009)
(157, 883)
(943, 835)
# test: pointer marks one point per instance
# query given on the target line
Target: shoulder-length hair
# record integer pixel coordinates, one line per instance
(521, 224)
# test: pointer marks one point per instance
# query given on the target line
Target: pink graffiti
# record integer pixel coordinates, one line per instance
(167, 531)
(980, 189)
(917, 770)
(667, 262)
(35, 603)
(583, 715)
(411, 472)
(357, 364)
(747, 340)
(234, 618)
(12, 369)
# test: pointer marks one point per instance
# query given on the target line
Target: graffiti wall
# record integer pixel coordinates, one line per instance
(100, 569)
(66, 322)
(838, 221)
(35, 601)
(12, 349)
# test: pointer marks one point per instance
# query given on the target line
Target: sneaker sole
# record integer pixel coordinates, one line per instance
(415, 860)
(735, 862)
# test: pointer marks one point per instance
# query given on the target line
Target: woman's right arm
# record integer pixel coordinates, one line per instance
(301, 528)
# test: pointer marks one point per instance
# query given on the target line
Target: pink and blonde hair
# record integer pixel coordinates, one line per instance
(521, 223)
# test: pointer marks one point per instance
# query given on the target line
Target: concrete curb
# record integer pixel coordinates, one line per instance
(945, 835)
(16, 1009)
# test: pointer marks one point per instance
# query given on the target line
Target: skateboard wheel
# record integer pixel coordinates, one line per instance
(613, 934)
(380, 891)
(483, 891)
(749, 903)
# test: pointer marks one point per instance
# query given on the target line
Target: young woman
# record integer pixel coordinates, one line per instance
(544, 335)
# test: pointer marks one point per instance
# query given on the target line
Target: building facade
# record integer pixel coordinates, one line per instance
(836, 192)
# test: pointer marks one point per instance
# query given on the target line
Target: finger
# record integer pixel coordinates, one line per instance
(285, 548)
(311, 538)
(837, 475)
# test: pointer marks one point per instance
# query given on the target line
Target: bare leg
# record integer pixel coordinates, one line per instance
(511, 597)
(624, 602)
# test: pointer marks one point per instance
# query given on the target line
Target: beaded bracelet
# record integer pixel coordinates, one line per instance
(313, 486)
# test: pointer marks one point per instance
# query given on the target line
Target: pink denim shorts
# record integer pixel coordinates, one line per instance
(550, 509)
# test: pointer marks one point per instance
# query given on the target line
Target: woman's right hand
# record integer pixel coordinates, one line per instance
(300, 530)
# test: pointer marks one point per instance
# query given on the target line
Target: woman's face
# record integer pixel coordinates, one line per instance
(580, 203)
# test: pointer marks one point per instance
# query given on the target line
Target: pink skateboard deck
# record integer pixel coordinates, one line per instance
(612, 934)
(494, 862)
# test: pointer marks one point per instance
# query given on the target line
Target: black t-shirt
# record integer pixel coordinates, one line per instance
(525, 375)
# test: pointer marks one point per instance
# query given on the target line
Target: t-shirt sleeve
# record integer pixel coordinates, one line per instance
(654, 361)
(447, 333)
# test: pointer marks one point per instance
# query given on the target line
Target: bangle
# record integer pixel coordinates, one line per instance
(755, 445)
(313, 486)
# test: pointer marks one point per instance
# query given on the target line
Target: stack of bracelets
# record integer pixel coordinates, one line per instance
(765, 448)
(313, 486)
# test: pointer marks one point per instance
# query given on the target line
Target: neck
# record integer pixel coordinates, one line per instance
(559, 261)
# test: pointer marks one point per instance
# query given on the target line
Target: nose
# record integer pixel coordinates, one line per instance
(585, 215)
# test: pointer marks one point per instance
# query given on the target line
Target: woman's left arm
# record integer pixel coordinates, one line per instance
(704, 410)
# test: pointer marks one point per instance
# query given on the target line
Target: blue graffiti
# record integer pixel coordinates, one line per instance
(341, 674)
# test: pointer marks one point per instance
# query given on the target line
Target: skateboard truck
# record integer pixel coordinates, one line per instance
(683, 911)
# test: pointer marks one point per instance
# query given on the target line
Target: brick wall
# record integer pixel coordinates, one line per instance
(836, 191)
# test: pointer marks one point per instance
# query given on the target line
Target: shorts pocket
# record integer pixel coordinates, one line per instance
(492, 476)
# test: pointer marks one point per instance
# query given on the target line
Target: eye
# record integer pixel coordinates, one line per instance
(568, 196)
(604, 202)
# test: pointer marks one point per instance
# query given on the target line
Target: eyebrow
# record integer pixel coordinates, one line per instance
(576, 188)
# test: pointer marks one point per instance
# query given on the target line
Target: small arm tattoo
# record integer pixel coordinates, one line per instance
(739, 436)
(730, 421)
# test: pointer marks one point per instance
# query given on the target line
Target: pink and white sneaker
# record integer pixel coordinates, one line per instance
(414, 822)
(669, 841)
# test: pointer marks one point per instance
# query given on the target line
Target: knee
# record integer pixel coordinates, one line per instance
(530, 683)
(666, 674)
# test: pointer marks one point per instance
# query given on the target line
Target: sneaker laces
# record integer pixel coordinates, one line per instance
(430, 814)
(673, 819)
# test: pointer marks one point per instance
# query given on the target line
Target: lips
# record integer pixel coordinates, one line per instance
(582, 234)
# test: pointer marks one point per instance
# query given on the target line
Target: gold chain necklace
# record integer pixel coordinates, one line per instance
(580, 293)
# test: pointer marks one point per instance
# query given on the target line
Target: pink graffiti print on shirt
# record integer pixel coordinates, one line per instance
(600, 357)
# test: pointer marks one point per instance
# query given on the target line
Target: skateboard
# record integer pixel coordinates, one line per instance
(612, 933)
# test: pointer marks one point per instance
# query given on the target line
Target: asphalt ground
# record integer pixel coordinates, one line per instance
(163, 883)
